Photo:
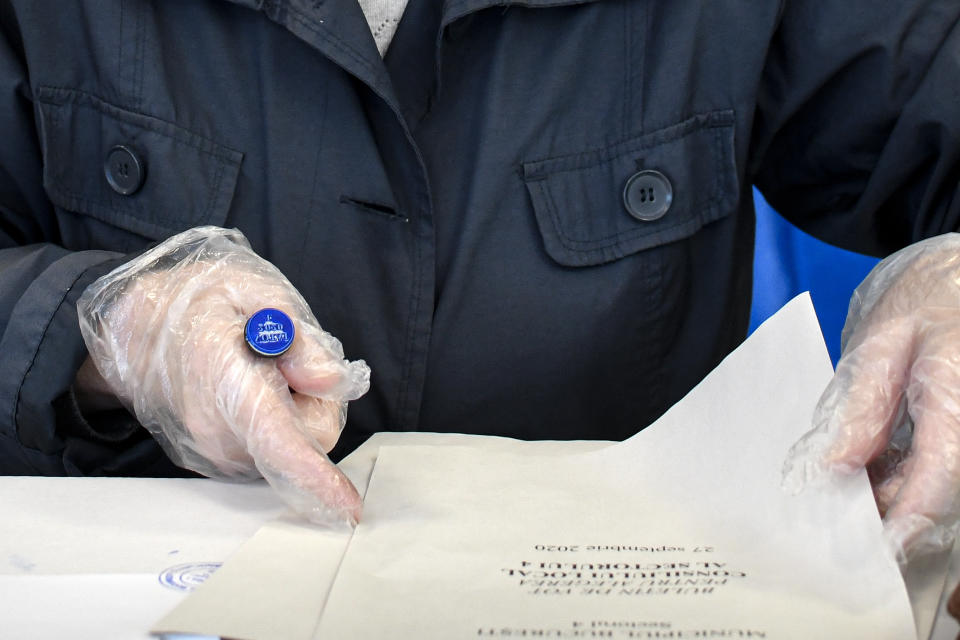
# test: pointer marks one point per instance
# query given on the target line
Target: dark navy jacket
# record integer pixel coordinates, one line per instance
(455, 213)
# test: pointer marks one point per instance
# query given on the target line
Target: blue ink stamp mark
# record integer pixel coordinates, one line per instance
(269, 332)
(24, 564)
(187, 577)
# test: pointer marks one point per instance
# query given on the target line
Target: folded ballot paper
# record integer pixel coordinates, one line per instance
(682, 531)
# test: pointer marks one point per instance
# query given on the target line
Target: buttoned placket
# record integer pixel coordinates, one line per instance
(339, 31)
(402, 88)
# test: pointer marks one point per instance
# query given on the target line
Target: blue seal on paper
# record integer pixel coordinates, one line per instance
(187, 577)
(269, 332)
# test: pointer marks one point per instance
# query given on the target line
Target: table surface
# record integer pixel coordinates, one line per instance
(106, 557)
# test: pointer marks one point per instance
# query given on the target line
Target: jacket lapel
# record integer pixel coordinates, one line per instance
(338, 30)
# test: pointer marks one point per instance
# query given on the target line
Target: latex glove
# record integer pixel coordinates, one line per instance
(165, 332)
(894, 403)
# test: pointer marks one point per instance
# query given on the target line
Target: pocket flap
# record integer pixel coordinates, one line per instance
(579, 198)
(187, 180)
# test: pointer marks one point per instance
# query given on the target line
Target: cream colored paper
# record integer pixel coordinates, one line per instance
(277, 585)
(682, 531)
(289, 565)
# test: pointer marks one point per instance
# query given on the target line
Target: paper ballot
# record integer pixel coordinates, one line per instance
(680, 532)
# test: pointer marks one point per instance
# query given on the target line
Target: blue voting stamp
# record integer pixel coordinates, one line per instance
(187, 577)
(269, 332)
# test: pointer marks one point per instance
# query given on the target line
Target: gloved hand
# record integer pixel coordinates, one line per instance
(166, 332)
(894, 403)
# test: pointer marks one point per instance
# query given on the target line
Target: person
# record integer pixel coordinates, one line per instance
(532, 219)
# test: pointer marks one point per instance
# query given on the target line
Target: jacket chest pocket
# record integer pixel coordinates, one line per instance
(119, 179)
(601, 205)
(622, 222)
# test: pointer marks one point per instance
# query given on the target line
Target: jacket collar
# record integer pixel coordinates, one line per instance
(338, 29)
(452, 9)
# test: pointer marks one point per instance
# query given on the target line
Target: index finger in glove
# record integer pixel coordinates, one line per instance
(323, 419)
(863, 402)
(858, 409)
(920, 498)
(291, 461)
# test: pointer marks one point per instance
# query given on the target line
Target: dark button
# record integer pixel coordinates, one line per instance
(123, 170)
(647, 195)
